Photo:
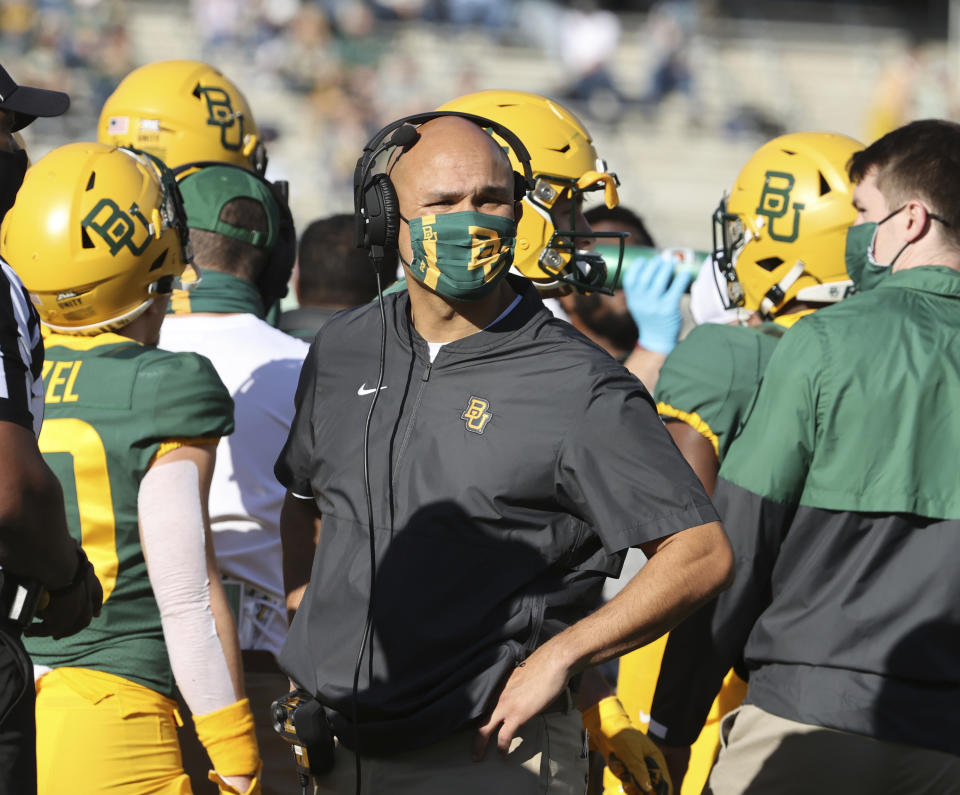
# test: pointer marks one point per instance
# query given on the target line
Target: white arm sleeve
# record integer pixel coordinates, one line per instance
(171, 527)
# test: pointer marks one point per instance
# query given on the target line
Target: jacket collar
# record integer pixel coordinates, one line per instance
(926, 278)
(516, 321)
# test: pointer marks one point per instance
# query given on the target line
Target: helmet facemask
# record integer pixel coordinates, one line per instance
(729, 238)
(562, 259)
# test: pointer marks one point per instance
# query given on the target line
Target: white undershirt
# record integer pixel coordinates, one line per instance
(435, 347)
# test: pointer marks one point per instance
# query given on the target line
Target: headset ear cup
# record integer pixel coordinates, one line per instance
(391, 212)
(382, 210)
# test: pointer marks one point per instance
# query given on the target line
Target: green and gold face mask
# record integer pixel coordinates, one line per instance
(461, 255)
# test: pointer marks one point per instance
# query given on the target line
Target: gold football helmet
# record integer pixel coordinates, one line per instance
(780, 234)
(183, 112)
(94, 234)
(565, 166)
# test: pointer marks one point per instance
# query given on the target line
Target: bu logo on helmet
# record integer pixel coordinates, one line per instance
(775, 203)
(476, 414)
(221, 114)
(116, 227)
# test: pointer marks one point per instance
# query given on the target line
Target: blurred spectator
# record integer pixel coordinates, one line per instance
(916, 85)
(670, 27)
(219, 23)
(331, 274)
(588, 41)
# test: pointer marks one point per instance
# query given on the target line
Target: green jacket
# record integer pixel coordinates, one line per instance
(841, 499)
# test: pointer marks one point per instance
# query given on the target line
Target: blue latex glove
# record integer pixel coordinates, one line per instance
(653, 289)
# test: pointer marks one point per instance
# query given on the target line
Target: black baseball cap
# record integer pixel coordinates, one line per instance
(27, 102)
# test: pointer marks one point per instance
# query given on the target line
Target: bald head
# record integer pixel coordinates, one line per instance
(453, 157)
(454, 166)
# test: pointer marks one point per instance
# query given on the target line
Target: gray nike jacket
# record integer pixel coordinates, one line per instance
(508, 477)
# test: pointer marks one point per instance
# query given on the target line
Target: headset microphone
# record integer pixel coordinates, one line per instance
(404, 136)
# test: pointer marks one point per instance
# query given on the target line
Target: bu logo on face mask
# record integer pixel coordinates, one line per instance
(476, 414)
(486, 250)
(118, 228)
(775, 203)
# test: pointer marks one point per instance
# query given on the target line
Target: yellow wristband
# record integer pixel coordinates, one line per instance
(230, 739)
(609, 714)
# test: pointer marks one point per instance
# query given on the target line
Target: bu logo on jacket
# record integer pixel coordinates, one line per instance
(476, 414)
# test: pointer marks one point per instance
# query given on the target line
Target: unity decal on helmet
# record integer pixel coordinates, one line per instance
(775, 203)
(118, 228)
(221, 114)
(476, 414)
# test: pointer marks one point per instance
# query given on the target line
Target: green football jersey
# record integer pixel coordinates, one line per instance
(708, 381)
(110, 404)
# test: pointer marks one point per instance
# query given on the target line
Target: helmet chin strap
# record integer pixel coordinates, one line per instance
(775, 295)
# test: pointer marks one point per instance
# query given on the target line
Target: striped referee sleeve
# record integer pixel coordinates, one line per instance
(21, 354)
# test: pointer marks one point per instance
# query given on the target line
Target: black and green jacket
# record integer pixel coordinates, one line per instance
(842, 500)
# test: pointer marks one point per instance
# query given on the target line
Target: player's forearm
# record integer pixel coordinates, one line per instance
(175, 548)
(687, 570)
(198, 626)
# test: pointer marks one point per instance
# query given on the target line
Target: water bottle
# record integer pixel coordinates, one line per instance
(681, 259)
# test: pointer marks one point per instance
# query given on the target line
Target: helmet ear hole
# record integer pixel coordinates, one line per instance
(770, 263)
(824, 185)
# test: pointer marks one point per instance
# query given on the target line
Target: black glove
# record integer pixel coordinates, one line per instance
(67, 610)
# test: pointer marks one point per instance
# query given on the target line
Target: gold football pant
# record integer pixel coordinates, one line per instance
(97, 732)
(639, 671)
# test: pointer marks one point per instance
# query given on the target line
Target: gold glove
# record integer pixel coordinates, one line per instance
(630, 754)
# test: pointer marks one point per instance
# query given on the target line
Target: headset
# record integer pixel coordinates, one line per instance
(376, 228)
(273, 279)
(375, 204)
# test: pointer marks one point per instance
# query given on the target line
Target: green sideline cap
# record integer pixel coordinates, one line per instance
(207, 191)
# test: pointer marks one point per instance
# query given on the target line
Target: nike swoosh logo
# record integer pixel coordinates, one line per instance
(364, 391)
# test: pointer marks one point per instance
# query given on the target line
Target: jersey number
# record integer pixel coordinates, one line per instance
(98, 529)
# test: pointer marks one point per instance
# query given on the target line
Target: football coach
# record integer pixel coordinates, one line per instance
(511, 463)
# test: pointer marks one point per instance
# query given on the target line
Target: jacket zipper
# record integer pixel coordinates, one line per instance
(424, 377)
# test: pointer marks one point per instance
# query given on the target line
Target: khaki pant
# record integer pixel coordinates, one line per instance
(548, 756)
(764, 753)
